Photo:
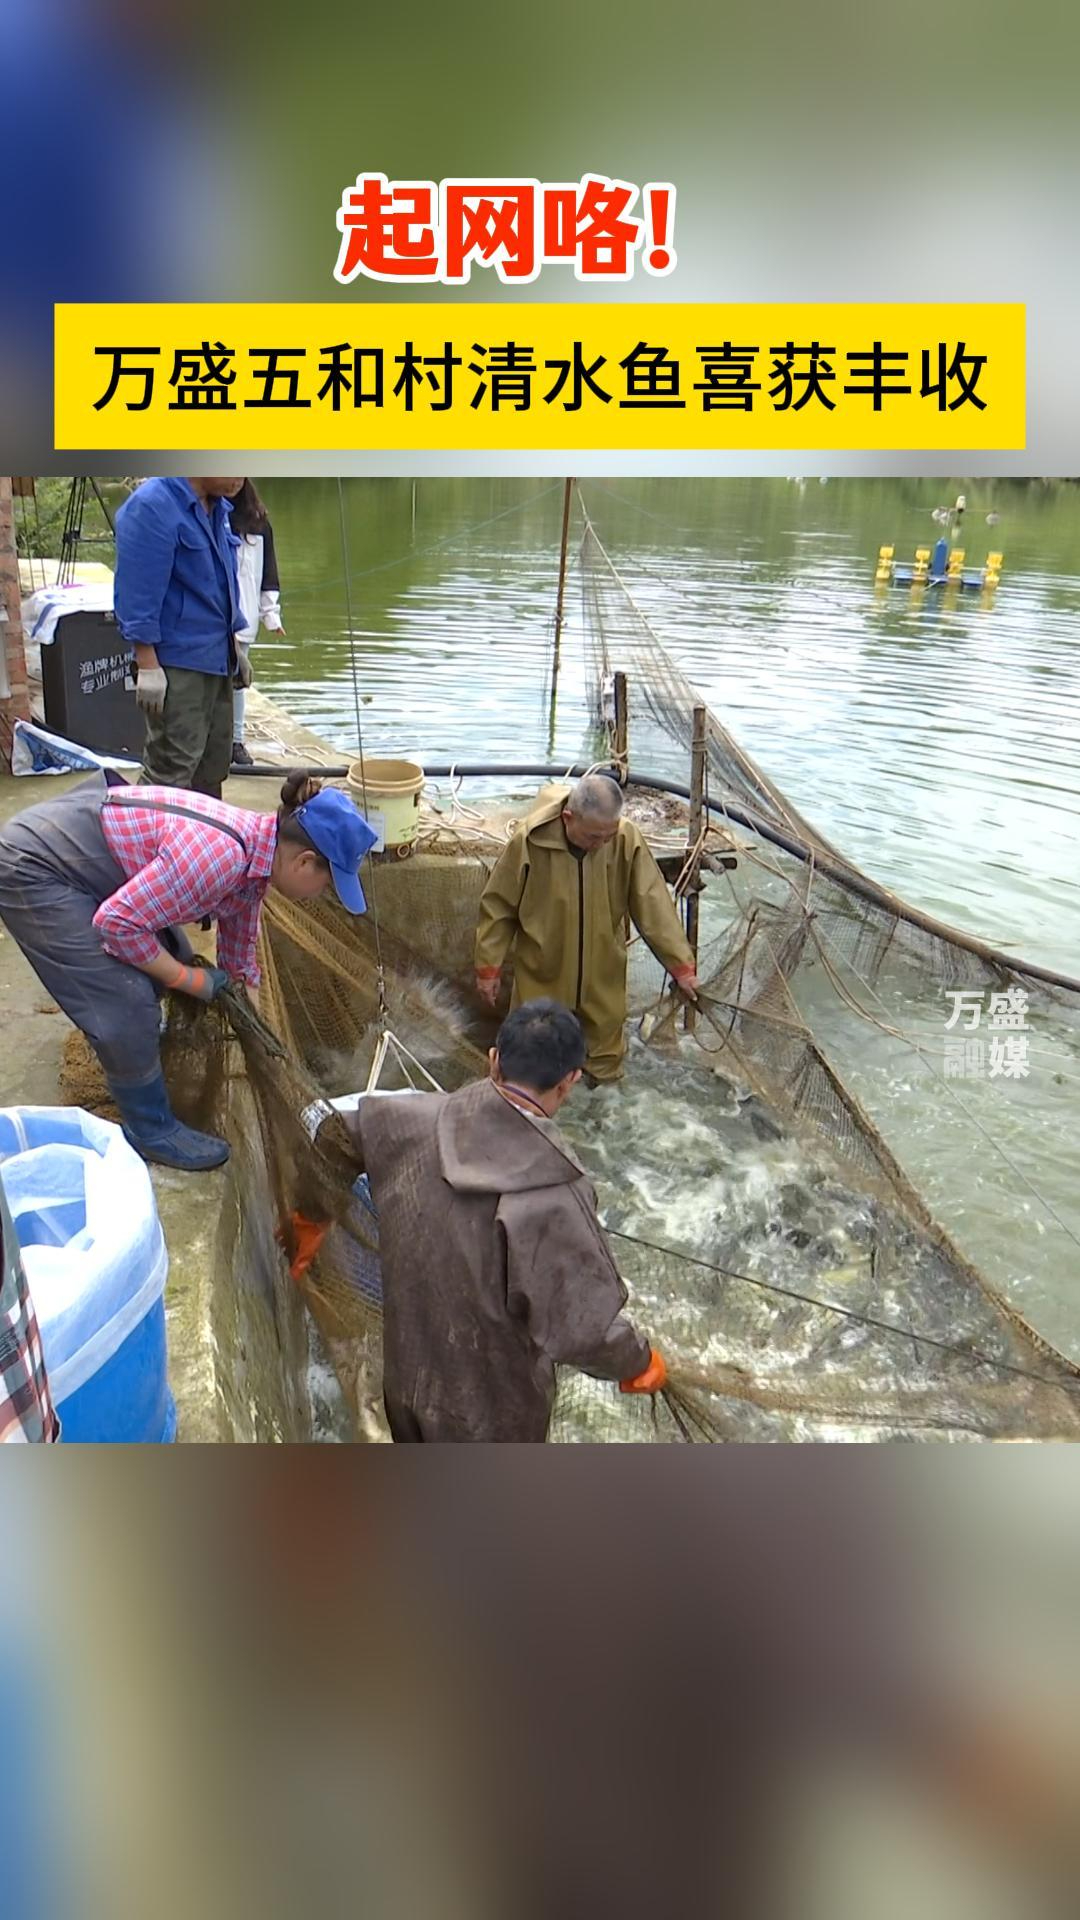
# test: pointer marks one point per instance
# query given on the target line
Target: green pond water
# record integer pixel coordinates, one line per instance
(933, 737)
(934, 740)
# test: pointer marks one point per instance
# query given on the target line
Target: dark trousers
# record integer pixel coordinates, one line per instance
(189, 743)
(55, 870)
(401, 1420)
(427, 1426)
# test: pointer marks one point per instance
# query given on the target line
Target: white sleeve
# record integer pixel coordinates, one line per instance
(270, 610)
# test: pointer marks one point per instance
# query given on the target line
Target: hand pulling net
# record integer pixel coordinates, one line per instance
(911, 1341)
(807, 966)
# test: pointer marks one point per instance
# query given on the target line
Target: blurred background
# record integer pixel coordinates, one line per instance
(772, 1684)
(769, 1683)
(833, 152)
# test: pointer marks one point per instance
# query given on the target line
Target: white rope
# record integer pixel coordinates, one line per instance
(389, 1042)
(360, 744)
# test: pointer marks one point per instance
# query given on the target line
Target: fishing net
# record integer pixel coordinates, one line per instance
(801, 956)
(803, 1287)
(769, 1335)
(331, 986)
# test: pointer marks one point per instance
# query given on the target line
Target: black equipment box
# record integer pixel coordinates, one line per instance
(89, 691)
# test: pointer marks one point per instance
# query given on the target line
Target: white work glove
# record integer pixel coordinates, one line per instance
(313, 1116)
(151, 686)
(270, 610)
(242, 676)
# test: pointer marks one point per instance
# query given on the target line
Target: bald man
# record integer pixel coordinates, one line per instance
(563, 896)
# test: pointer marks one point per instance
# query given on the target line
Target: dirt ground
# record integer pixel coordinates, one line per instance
(38, 1067)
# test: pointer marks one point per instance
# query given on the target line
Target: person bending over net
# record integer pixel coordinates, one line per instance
(495, 1266)
(95, 888)
(562, 895)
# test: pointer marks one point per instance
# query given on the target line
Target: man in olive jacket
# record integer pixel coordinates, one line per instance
(495, 1266)
(563, 895)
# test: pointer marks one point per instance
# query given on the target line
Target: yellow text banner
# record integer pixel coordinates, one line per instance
(510, 378)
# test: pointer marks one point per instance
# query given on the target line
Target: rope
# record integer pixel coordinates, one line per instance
(974, 1355)
(671, 706)
(360, 744)
(820, 935)
(408, 1059)
(438, 546)
(389, 1043)
(661, 519)
(927, 1060)
(757, 858)
(993, 1293)
(761, 786)
(457, 805)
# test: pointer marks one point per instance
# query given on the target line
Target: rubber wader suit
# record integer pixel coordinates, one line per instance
(495, 1266)
(568, 922)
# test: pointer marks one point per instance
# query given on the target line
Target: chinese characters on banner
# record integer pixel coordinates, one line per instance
(967, 1056)
(415, 230)
(428, 374)
(203, 379)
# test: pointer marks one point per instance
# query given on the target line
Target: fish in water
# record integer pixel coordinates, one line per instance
(433, 1021)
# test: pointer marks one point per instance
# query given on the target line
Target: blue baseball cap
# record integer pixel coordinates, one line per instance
(342, 835)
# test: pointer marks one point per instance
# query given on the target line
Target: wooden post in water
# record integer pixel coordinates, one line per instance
(693, 850)
(560, 598)
(568, 494)
(621, 738)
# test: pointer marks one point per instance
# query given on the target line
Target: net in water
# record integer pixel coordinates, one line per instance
(776, 1247)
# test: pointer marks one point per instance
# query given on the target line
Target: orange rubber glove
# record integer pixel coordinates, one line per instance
(202, 982)
(653, 1380)
(488, 982)
(307, 1237)
(686, 980)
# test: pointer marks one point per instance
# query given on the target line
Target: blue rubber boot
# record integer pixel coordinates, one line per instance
(152, 1128)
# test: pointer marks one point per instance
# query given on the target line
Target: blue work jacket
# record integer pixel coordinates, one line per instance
(176, 586)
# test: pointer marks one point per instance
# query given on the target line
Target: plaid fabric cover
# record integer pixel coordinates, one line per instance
(178, 871)
(26, 1409)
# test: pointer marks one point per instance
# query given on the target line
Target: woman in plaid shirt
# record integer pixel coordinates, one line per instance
(96, 886)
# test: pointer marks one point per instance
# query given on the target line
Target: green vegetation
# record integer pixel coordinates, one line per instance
(39, 523)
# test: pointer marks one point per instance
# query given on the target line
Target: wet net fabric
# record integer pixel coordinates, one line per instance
(803, 1286)
(771, 1333)
(802, 957)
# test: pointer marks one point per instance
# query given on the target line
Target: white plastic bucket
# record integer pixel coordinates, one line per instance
(388, 795)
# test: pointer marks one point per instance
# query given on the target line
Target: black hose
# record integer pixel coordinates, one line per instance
(728, 810)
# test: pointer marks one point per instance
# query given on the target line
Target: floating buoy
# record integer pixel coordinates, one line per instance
(940, 566)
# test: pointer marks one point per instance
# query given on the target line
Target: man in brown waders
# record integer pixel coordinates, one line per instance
(563, 895)
(495, 1266)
